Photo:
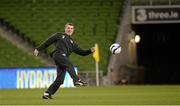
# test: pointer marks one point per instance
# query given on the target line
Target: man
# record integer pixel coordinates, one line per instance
(64, 46)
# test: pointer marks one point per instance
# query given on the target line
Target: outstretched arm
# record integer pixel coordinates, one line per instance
(46, 43)
(82, 52)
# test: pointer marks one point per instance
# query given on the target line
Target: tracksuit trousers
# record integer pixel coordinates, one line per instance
(63, 65)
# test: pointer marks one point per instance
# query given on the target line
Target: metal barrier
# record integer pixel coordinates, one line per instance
(90, 77)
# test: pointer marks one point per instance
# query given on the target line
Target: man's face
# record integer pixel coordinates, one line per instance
(69, 29)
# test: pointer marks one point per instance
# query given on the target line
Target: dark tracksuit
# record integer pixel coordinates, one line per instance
(64, 46)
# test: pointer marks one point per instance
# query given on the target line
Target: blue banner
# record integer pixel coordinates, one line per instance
(31, 78)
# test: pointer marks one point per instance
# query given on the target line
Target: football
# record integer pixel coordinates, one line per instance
(115, 48)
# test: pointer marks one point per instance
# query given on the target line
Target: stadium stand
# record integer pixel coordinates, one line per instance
(11, 56)
(95, 21)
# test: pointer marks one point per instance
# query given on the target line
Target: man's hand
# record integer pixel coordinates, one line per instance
(93, 49)
(36, 52)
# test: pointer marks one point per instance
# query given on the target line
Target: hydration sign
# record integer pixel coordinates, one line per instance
(31, 78)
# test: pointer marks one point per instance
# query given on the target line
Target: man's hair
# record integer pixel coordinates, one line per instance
(71, 24)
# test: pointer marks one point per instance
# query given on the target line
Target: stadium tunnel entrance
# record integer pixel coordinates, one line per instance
(158, 52)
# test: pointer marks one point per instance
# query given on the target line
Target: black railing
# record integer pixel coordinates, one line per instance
(155, 2)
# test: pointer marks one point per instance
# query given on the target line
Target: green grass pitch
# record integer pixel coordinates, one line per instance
(116, 95)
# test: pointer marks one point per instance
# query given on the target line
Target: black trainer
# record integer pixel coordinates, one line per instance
(80, 83)
(47, 96)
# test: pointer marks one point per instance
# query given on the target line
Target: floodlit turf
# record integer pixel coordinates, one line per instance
(118, 95)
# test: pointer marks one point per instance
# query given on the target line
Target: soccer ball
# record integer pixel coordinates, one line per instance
(115, 48)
